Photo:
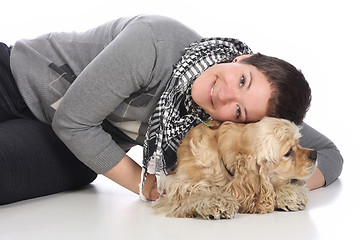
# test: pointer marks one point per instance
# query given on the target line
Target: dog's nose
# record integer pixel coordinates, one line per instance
(313, 155)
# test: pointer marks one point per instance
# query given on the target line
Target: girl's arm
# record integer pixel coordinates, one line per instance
(127, 173)
(329, 159)
(112, 76)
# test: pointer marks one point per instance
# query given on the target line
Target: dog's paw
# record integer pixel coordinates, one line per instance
(218, 207)
(290, 205)
(291, 198)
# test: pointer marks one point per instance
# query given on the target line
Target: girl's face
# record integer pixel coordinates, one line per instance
(232, 91)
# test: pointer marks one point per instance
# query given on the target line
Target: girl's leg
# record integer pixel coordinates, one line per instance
(12, 104)
(34, 162)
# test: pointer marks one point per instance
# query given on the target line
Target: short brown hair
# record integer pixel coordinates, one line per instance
(291, 95)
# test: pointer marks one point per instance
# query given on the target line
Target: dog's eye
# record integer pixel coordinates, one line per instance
(289, 153)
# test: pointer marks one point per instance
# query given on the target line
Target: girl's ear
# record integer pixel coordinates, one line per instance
(239, 58)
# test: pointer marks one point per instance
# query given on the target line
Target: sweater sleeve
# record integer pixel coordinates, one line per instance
(122, 68)
(329, 159)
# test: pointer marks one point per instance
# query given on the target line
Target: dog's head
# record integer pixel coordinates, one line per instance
(270, 147)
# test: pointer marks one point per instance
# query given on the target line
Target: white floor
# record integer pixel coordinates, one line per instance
(106, 211)
(319, 37)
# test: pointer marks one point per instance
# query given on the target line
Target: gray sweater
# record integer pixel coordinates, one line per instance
(99, 88)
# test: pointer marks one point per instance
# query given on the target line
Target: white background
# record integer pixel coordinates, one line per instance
(319, 37)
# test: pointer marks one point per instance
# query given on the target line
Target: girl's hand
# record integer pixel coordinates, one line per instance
(127, 173)
(150, 188)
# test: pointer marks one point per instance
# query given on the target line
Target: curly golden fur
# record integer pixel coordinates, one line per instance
(233, 167)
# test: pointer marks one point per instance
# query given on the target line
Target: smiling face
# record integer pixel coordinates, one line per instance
(232, 92)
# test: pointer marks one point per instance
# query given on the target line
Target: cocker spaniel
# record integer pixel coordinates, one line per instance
(234, 168)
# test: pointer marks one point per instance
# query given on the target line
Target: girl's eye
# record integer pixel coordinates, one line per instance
(238, 112)
(242, 81)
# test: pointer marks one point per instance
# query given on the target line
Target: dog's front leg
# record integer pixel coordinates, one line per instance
(214, 205)
(291, 196)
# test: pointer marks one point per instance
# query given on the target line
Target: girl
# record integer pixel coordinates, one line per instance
(72, 104)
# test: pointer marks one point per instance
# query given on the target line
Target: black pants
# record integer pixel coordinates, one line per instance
(33, 160)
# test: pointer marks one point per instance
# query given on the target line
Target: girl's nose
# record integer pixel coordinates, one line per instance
(226, 94)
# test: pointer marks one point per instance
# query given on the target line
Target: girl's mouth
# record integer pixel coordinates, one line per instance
(211, 92)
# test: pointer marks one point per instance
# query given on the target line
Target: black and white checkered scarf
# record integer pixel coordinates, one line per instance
(174, 115)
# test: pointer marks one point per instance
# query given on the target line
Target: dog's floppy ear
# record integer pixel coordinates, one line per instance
(251, 187)
(237, 145)
(266, 200)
